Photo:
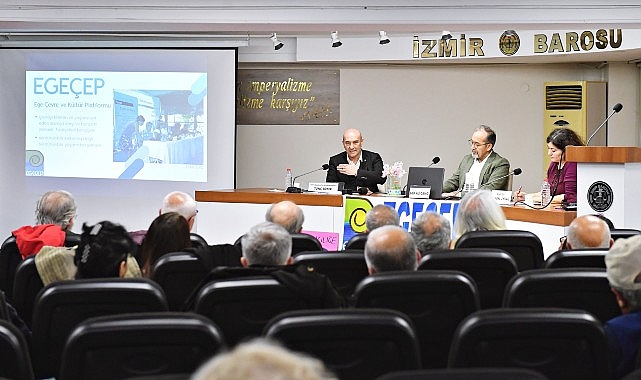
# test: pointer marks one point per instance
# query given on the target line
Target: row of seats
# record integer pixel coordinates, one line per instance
(354, 343)
(434, 300)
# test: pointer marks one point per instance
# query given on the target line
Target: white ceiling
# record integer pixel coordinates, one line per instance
(254, 18)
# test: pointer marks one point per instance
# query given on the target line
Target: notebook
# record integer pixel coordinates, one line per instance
(424, 176)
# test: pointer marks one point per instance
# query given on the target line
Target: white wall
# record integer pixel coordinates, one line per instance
(412, 113)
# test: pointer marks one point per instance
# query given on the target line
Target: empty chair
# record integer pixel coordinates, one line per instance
(16, 363)
(305, 242)
(344, 269)
(27, 284)
(353, 344)
(490, 268)
(61, 306)
(562, 344)
(577, 288)
(436, 301)
(141, 344)
(178, 274)
(524, 246)
(466, 374)
(356, 242)
(197, 241)
(577, 258)
(242, 307)
(623, 233)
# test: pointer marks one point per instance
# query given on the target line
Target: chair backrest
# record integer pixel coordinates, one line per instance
(197, 241)
(27, 284)
(305, 242)
(524, 246)
(356, 242)
(178, 274)
(343, 268)
(436, 301)
(466, 374)
(4, 309)
(490, 268)
(353, 344)
(9, 259)
(242, 307)
(16, 363)
(577, 258)
(142, 344)
(562, 344)
(623, 233)
(62, 305)
(578, 288)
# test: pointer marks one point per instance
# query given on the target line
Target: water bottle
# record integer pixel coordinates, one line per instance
(288, 178)
(545, 192)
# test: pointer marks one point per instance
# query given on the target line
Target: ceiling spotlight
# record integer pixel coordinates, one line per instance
(446, 35)
(383, 38)
(276, 41)
(335, 41)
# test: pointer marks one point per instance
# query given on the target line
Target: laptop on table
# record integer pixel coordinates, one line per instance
(425, 176)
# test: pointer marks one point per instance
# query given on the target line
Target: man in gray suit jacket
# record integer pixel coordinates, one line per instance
(356, 167)
(483, 167)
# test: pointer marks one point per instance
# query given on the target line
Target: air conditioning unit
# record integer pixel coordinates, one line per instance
(578, 105)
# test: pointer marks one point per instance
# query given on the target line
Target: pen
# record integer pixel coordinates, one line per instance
(520, 188)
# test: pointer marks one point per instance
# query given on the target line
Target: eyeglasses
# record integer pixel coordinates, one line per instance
(475, 144)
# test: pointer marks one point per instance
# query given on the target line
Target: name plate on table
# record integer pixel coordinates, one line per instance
(502, 197)
(420, 192)
(324, 187)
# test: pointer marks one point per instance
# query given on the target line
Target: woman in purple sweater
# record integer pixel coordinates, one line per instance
(561, 174)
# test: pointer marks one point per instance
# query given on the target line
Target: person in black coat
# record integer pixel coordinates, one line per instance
(356, 167)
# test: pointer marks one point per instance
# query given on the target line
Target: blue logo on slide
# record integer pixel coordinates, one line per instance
(34, 165)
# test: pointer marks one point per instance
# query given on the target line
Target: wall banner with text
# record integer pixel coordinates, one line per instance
(288, 97)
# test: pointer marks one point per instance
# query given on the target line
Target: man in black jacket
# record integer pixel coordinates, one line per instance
(356, 167)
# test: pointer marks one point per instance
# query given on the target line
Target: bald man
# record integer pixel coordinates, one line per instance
(588, 231)
(356, 167)
(390, 248)
(182, 203)
(286, 214)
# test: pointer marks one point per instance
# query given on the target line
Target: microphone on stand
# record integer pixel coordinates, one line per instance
(294, 189)
(516, 171)
(435, 161)
(617, 107)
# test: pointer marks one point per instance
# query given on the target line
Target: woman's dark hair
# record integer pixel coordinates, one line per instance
(562, 137)
(169, 232)
(102, 248)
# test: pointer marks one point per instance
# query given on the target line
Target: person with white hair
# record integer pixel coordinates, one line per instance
(390, 248)
(261, 359)
(431, 231)
(478, 211)
(623, 270)
(287, 214)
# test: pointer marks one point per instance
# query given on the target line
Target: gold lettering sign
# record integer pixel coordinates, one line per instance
(300, 96)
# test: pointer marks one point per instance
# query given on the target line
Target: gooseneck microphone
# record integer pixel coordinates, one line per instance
(435, 161)
(294, 189)
(617, 107)
(516, 171)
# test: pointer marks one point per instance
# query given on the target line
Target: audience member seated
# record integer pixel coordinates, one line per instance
(169, 232)
(381, 215)
(100, 245)
(55, 214)
(587, 231)
(266, 251)
(261, 359)
(104, 251)
(390, 248)
(478, 211)
(176, 201)
(431, 231)
(623, 268)
(286, 214)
